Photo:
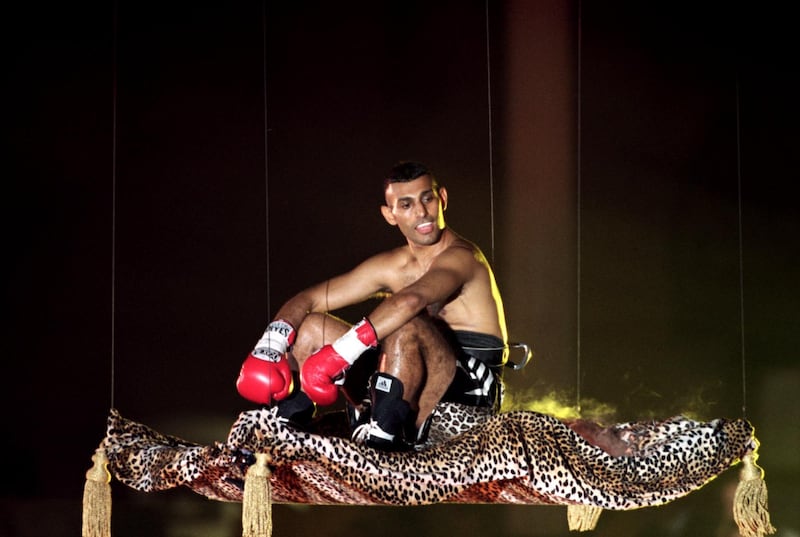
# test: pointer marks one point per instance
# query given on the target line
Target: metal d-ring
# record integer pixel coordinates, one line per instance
(528, 355)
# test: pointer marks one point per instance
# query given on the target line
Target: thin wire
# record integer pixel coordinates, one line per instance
(327, 309)
(741, 250)
(113, 199)
(578, 217)
(266, 153)
(490, 140)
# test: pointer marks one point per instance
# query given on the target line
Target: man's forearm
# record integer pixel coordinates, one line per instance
(396, 311)
(295, 310)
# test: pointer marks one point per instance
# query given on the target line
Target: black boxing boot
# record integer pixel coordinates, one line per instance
(389, 423)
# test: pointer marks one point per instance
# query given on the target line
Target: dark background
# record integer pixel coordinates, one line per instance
(151, 230)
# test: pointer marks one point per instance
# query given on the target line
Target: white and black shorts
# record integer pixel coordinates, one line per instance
(479, 372)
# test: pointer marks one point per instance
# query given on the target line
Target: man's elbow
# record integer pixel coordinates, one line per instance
(410, 302)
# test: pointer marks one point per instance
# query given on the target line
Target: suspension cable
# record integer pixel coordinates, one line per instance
(578, 203)
(114, 53)
(741, 249)
(266, 157)
(490, 138)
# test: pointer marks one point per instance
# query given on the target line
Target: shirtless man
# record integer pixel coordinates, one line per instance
(440, 333)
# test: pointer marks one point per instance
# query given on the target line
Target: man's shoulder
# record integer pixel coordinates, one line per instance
(462, 247)
(390, 258)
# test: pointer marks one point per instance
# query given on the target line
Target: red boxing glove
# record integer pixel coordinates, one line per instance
(264, 381)
(265, 375)
(319, 375)
(324, 370)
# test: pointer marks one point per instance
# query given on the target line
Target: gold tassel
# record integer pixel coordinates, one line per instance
(97, 498)
(582, 517)
(750, 510)
(257, 501)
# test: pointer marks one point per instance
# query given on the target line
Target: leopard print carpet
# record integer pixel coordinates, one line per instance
(516, 457)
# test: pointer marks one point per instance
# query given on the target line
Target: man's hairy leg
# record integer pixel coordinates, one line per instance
(418, 355)
(317, 329)
(320, 329)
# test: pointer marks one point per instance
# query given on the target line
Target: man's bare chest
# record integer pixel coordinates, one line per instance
(406, 274)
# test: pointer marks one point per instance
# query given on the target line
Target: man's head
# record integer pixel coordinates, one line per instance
(404, 172)
(415, 203)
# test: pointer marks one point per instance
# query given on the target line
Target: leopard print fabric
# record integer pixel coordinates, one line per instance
(516, 457)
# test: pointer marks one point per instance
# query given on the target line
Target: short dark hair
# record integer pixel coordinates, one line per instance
(406, 171)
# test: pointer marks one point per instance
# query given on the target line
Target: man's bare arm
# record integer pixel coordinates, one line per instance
(350, 288)
(448, 273)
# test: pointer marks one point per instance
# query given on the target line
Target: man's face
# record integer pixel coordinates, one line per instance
(417, 208)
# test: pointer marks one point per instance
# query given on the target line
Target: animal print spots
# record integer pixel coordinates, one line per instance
(470, 456)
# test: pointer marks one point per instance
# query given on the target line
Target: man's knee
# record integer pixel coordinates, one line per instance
(316, 330)
(417, 332)
(313, 323)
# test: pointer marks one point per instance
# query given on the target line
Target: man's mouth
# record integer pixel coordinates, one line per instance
(425, 227)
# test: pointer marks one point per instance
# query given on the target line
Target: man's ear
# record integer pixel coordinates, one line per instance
(386, 211)
(443, 197)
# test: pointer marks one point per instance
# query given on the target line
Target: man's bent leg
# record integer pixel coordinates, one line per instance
(317, 329)
(421, 359)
